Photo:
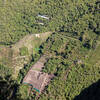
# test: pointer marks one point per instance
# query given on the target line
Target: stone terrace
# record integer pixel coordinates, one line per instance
(35, 77)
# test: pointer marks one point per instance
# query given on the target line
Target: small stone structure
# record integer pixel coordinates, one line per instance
(37, 79)
(43, 16)
(37, 35)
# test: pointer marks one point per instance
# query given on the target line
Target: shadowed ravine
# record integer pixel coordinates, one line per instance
(90, 93)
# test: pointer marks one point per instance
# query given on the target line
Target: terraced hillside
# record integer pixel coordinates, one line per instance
(19, 54)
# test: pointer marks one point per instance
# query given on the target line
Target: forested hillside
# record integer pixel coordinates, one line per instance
(73, 47)
(19, 18)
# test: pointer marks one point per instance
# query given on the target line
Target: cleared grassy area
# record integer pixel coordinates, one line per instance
(94, 56)
(12, 57)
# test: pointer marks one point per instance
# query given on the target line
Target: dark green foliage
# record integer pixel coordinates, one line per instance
(8, 86)
(22, 92)
(4, 71)
(75, 17)
(92, 92)
(70, 77)
(72, 47)
(52, 66)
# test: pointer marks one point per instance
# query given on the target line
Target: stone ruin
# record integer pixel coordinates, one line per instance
(37, 79)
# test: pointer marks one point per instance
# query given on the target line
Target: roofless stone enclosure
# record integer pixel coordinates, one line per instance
(37, 79)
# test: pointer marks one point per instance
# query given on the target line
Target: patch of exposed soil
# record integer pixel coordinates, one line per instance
(35, 77)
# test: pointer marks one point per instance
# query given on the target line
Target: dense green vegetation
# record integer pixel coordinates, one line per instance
(74, 47)
(19, 18)
(71, 65)
(7, 84)
(4, 71)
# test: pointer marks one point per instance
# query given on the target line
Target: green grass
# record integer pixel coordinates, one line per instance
(14, 57)
(94, 56)
(23, 91)
(23, 51)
